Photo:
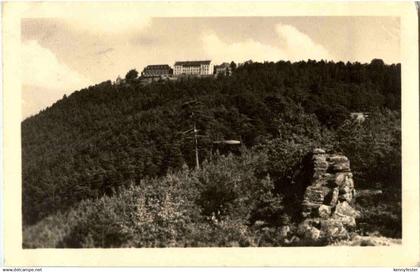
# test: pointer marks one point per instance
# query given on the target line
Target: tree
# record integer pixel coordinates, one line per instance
(131, 75)
(377, 62)
(232, 66)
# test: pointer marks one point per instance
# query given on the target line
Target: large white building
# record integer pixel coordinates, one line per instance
(198, 68)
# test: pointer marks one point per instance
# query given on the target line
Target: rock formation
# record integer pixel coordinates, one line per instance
(328, 199)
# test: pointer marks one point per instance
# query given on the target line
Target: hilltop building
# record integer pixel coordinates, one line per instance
(359, 117)
(119, 81)
(223, 68)
(196, 68)
(159, 70)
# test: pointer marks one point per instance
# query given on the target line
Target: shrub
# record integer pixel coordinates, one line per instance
(374, 149)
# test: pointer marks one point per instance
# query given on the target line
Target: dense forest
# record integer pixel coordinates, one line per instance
(110, 165)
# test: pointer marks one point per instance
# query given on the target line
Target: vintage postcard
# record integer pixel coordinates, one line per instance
(211, 134)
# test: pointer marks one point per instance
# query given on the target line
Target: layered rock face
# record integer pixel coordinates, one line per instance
(328, 200)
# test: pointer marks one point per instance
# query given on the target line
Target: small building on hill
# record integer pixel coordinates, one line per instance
(359, 117)
(119, 81)
(194, 68)
(222, 69)
(157, 70)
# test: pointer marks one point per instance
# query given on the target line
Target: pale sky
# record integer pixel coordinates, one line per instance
(60, 56)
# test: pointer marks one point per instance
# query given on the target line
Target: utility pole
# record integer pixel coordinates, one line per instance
(191, 106)
(197, 161)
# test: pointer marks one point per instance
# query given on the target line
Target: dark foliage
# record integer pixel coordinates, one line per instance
(106, 137)
(131, 75)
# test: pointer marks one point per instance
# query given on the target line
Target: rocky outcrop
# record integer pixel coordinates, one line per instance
(328, 200)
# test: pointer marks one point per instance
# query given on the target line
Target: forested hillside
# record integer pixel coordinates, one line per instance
(99, 141)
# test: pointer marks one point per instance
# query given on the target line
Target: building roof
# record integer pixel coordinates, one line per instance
(223, 65)
(157, 67)
(192, 63)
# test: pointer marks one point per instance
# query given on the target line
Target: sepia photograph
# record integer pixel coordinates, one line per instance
(193, 131)
(221, 132)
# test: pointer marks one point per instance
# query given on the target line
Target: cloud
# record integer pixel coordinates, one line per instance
(299, 46)
(220, 51)
(104, 51)
(48, 77)
(40, 67)
(104, 18)
(294, 46)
